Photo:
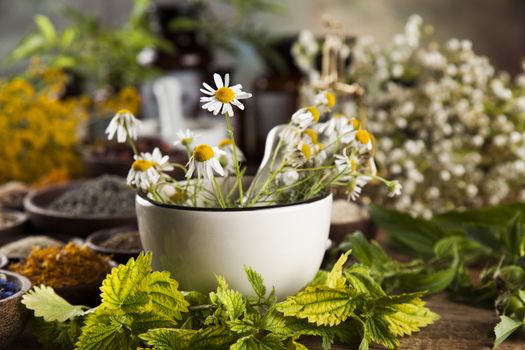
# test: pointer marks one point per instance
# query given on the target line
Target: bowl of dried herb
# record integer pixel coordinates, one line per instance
(13, 315)
(82, 207)
(74, 271)
(121, 243)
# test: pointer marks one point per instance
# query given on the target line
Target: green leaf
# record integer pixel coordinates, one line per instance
(112, 336)
(335, 278)
(505, 327)
(124, 287)
(231, 300)
(271, 342)
(413, 236)
(256, 281)
(320, 305)
(496, 216)
(166, 299)
(211, 338)
(245, 343)
(57, 335)
(359, 279)
(514, 240)
(45, 303)
(46, 27)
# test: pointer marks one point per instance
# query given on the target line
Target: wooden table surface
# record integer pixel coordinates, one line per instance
(461, 327)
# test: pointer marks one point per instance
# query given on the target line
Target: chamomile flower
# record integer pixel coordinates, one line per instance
(288, 176)
(124, 125)
(325, 100)
(147, 168)
(205, 160)
(185, 138)
(300, 154)
(305, 117)
(171, 193)
(394, 188)
(221, 99)
(364, 139)
(227, 160)
(355, 187)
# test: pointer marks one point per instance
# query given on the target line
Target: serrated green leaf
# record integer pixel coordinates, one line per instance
(166, 299)
(377, 331)
(505, 327)
(359, 279)
(320, 305)
(256, 281)
(211, 338)
(335, 278)
(112, 336)
(125, 287)
(271, 342)
(409, 317)
(245, 343)
(232, 301)
(45, 303)
(57, 335)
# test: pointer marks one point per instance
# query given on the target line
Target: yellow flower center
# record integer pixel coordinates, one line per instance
(179, 197)
(355, 123)
(320, 147)
(354, 165)
(314, 112)
(306, 151)
(142, 165)
(312, 134)
(330, 98)
(224, 94)
(124, 111)
(363, 136)
(202, 153)
(225, 142)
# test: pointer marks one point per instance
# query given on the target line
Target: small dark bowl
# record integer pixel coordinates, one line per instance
(120, 256)
(16, 227)
(48, 220)
(13, 315)
(3, 260)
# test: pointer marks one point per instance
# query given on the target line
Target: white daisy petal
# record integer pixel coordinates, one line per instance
(218, 80)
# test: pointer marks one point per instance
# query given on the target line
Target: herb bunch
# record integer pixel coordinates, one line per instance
(449, 250)
(145, 309)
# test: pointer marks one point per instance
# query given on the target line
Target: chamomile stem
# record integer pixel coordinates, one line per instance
(131, 143)
(219, 193)
(236, 160)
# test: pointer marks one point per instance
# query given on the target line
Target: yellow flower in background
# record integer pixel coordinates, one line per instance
(38, 130)
(127, 98)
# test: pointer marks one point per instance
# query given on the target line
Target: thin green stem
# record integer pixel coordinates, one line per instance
(219, 193)
(236, 159)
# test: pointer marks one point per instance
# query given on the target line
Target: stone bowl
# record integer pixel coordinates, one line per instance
(121, 256)
(13, 315)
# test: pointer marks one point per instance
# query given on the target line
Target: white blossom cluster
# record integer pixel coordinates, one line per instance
(449, 127)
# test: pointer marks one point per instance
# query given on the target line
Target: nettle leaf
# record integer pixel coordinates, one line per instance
(124, 287)
(166, 299)
(377, 331)
(57, 335)
(271, 342)
(320, 305)
(211, 338)
(335, 278)
(232, 301)
(505, 327)
(406, 313)
(256, 281)
(112, 336)
(245, 343)
(359, 279)
(45, 303)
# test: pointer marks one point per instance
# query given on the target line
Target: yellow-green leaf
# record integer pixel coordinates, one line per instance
(320, 305)
(45, 303)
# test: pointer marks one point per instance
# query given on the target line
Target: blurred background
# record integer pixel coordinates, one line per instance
(115, 53)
